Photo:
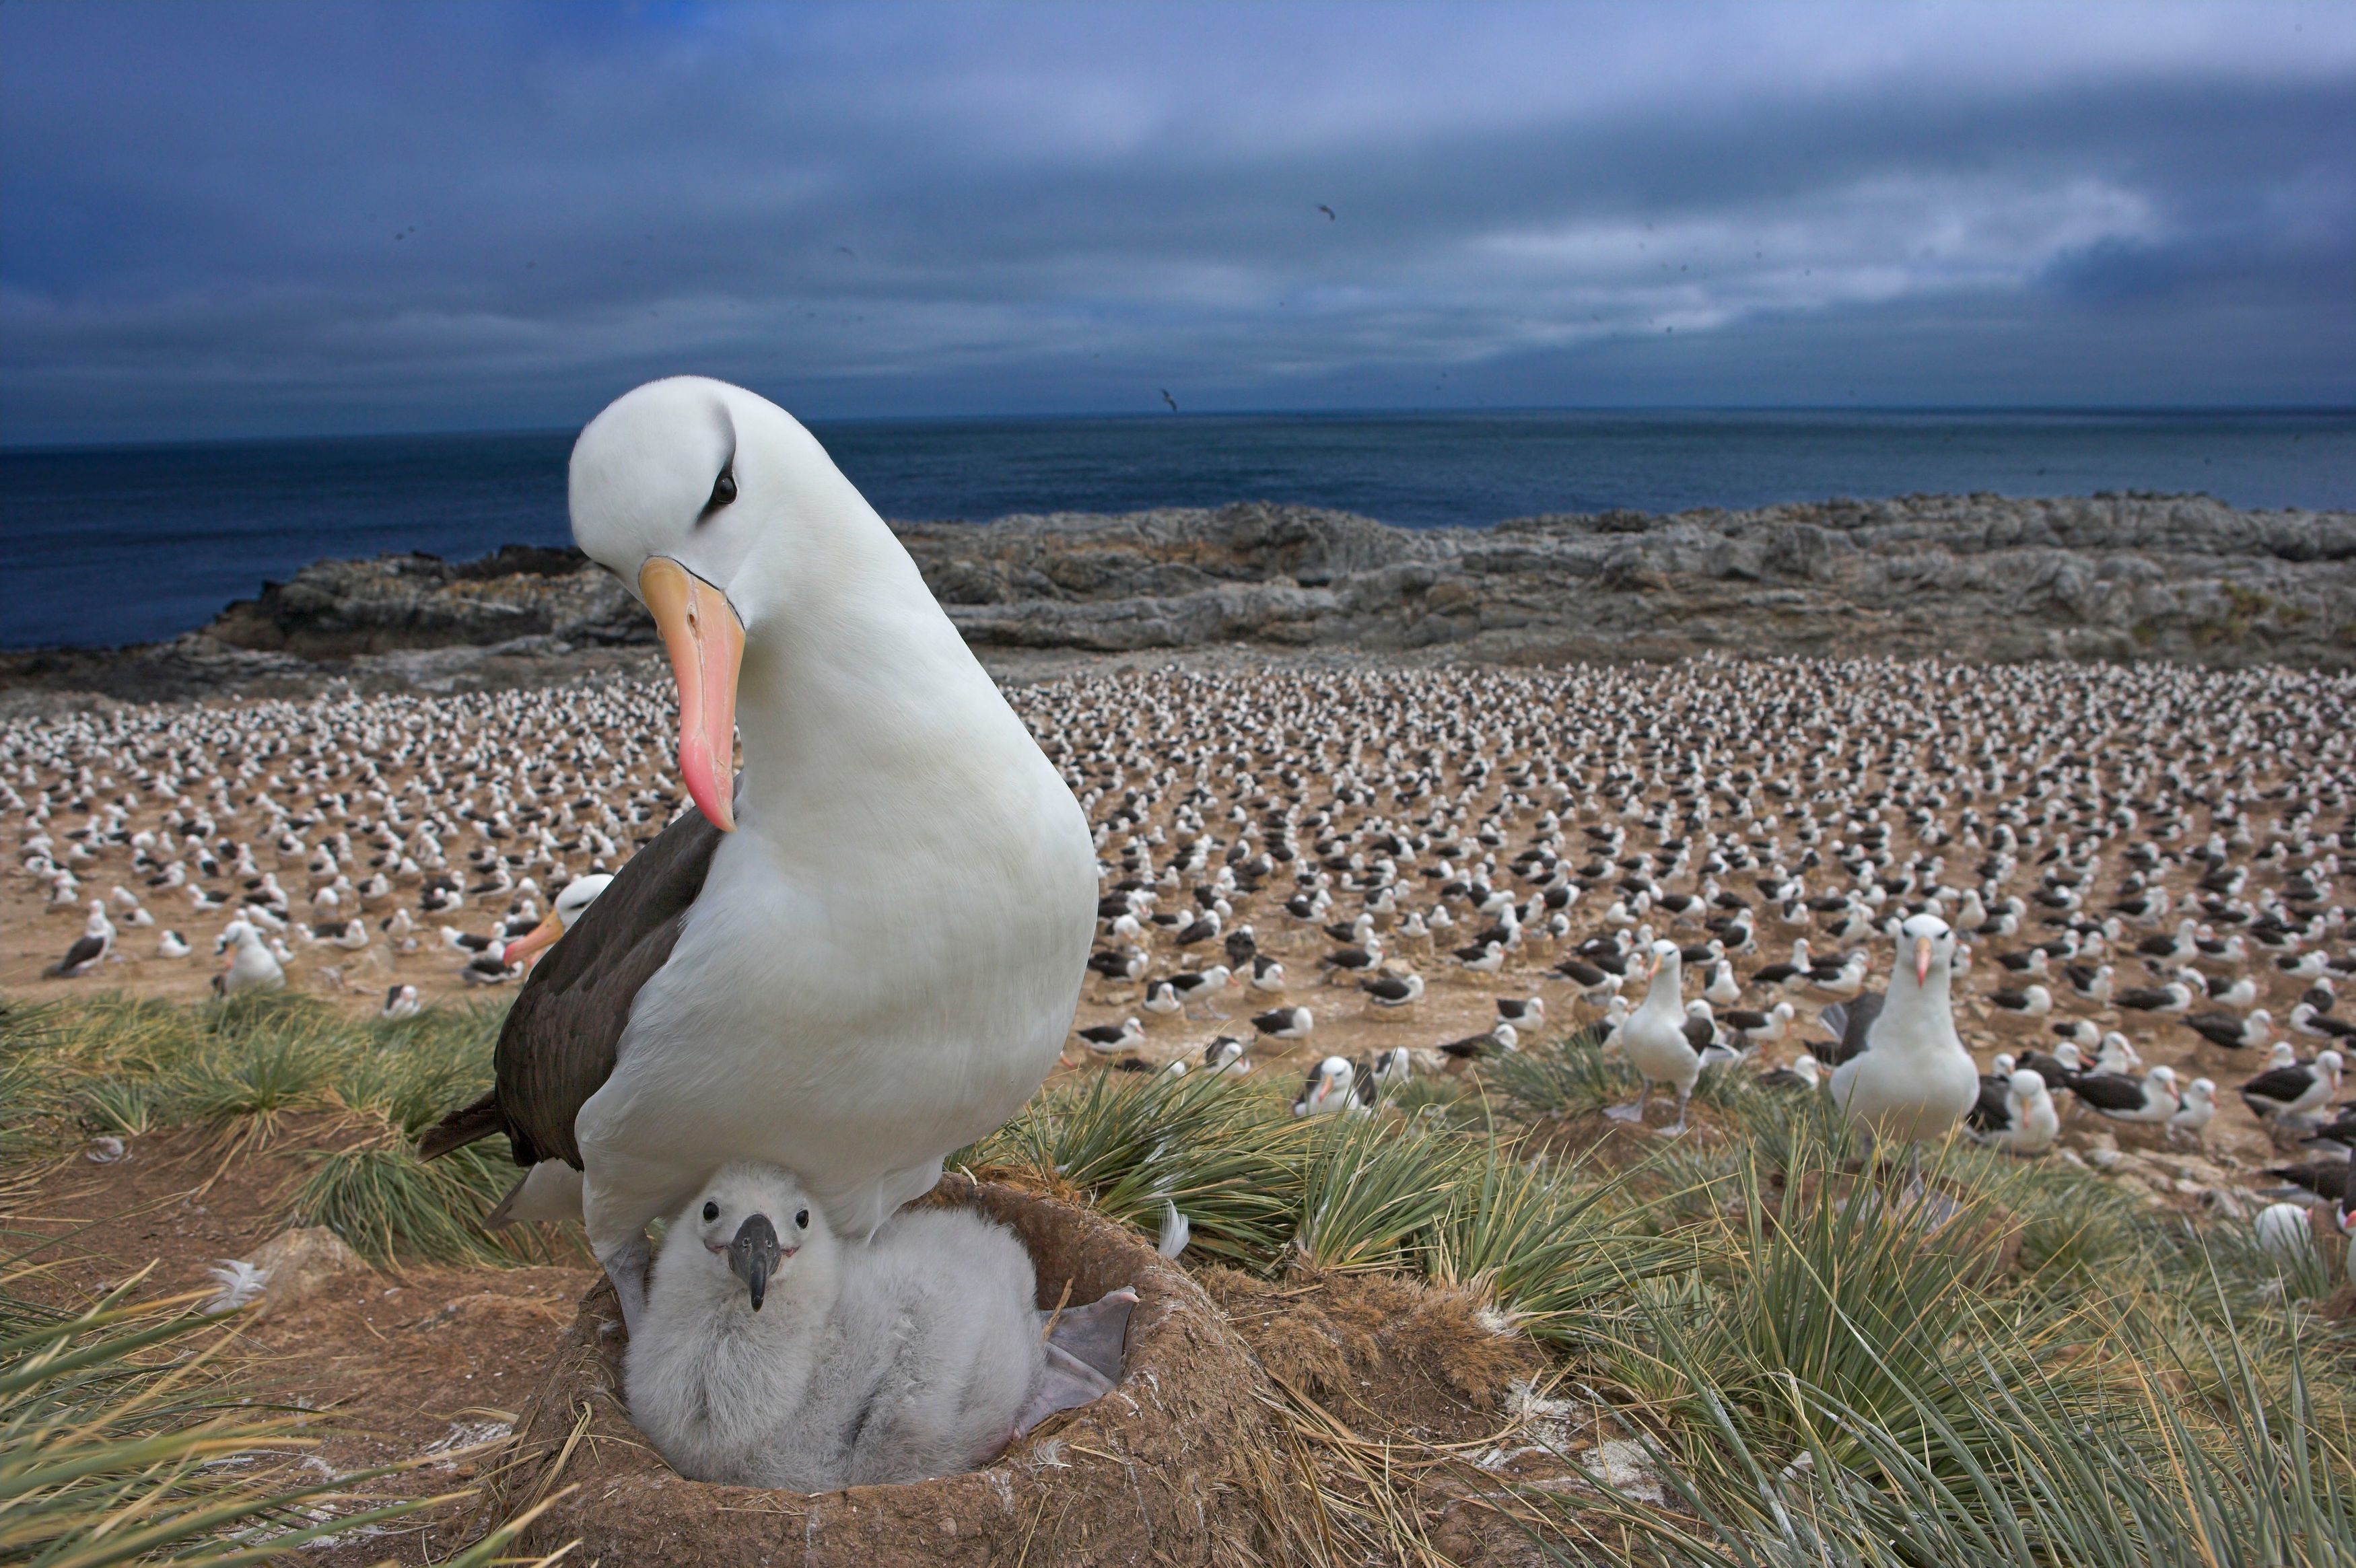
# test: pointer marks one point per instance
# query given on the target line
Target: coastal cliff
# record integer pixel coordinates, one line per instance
(2123, 577)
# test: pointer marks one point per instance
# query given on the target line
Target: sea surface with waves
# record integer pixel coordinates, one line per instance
(101, 546)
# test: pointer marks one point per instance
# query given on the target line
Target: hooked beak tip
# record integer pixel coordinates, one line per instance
(705, 640)
(753, 1255)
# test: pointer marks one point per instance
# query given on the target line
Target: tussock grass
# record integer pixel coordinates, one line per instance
(386, 1204)
(117, 1065)
(1828, 1367)
(1372, 1188)
(1223, 1151)
(1558, 1254)
(115, 1432)
(122, 1442)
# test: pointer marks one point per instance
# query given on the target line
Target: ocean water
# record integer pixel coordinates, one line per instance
(101, 546)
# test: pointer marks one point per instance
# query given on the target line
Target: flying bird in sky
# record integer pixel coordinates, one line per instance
(1170, 400)
(1328, 212)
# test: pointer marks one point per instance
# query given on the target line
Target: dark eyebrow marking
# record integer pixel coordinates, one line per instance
(727, 466)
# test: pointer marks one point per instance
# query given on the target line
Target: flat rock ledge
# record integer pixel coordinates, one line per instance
(2111, 576)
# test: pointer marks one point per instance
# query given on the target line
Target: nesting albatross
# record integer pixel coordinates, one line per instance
(864, 956)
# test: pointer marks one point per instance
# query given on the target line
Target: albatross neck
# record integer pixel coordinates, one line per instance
(861, 692)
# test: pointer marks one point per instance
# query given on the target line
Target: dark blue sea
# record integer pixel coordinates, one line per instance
(110, 545)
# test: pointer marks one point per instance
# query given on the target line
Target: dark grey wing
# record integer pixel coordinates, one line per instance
(1851, 1021)
(1993, 1111)
(1862, 1012)
(561, 1036)
(1699, 1031)
(2279, 1084)
(83, 951)
(2109, 1091)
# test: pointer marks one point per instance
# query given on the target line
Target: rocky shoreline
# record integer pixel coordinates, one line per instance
(2110, 577)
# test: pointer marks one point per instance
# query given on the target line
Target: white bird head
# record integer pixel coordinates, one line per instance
(671, 488)
(2027, 1087)
(567, 907)
(750, 1220)
(1926, 942)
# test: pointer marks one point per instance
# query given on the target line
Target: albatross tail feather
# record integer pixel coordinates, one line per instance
(462, 1126)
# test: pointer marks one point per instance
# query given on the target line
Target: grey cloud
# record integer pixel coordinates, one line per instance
(349, 217)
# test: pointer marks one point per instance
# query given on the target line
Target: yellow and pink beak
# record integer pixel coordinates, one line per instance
(706, 643)
(532, 946)
(1922, 960)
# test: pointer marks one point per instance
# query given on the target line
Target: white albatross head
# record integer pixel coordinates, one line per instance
(563, 911)
(1925, 942)
(686, 489)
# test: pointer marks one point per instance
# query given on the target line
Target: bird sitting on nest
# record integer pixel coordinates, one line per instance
(751, 985)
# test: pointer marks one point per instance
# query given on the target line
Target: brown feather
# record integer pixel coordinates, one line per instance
(563, 1033)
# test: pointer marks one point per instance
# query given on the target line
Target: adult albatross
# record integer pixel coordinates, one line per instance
(863, 956)
(1912, 1080)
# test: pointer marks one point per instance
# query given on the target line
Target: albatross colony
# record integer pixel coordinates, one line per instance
(2175, 838)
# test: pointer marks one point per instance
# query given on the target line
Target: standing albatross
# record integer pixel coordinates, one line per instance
(774, 979)
(1912, 1080)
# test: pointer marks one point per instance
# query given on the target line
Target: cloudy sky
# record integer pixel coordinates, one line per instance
(286, 219)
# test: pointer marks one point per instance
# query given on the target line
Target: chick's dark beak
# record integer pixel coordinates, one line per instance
(752, 1256)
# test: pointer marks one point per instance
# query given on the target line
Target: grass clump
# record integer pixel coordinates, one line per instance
(1557, 1255)
(245, 1070)
(1371, 1187)
(114, 1437)
(1219, 1150)
(386, 1203)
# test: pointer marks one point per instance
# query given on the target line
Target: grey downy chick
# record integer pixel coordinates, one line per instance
(807, 1363)
(735, 1371)
(937, 1312)
(955, 1360)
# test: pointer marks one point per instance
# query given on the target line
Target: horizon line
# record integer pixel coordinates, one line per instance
(2143, 410)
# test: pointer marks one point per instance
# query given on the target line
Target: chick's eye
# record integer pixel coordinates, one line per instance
(802, 1219)
(710, 1213)
(723, 490)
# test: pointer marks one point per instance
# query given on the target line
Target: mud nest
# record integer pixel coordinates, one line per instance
(1172, 1466)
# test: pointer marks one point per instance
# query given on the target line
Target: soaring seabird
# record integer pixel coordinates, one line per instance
(752, 985)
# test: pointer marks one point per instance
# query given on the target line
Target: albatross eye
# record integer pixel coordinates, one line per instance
(801, 1219)
(710, 1213)
(723, 490)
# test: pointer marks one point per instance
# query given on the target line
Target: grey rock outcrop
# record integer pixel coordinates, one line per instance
(1976, 577)
(337, 609)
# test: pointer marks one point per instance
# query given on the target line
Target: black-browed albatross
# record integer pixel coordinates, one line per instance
(755, 984)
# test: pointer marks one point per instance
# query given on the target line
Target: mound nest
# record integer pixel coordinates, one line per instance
(1168, 1466)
